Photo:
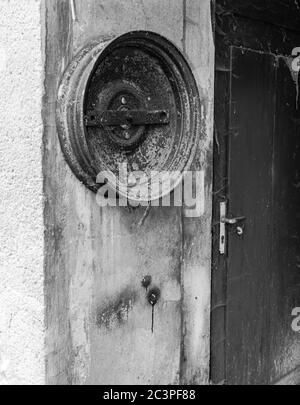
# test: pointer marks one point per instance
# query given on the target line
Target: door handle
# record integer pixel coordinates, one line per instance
(224, 220)
(231, 221)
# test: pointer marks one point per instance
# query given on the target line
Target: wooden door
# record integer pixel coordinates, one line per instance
(99, 322)
(256, 283)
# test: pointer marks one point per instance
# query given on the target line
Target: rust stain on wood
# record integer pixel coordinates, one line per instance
(117, 311)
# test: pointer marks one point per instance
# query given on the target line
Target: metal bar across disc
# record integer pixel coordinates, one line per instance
(130, 117)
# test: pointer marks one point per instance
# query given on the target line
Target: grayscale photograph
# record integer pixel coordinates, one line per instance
(149, 195)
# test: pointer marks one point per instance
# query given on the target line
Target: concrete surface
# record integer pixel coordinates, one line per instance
(21, 194)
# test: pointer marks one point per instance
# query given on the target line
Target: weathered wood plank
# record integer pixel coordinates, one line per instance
(122, 346)
(218, 294)
(248, 34)
(99, 320)
(248, 279)
(276, 12)
(100, 258)
(196, 266)
(59, 351)
(293, 378)
(115, 17)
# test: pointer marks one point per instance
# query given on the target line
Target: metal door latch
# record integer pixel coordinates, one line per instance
(231, 221)
(224, 220)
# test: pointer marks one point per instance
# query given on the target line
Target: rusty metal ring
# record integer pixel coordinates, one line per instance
(81, 145)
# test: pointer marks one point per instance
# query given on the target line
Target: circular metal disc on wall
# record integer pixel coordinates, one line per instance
(129, 102)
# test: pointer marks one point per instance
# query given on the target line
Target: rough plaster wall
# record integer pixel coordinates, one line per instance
(21, 199)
